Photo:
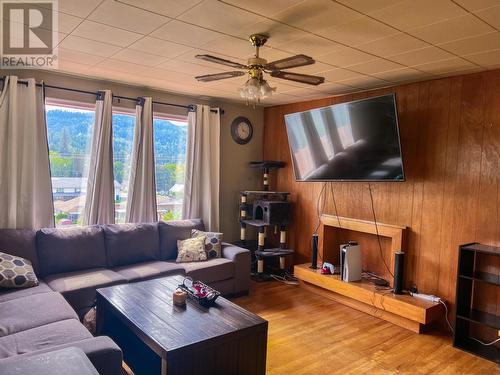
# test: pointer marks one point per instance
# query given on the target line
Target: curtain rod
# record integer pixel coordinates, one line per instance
(190, 107)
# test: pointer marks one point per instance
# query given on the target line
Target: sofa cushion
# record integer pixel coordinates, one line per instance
(70, 249)
(149, 270)
(104, 354)
(216, 269)
(58, 362)
(44, 337)
(172, 231)
(20, 242)
(33, 311)
(10, 294)
(79, 287)
(131, 243)
(16, 272)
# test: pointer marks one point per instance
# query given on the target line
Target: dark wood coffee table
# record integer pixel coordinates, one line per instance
(159, 338)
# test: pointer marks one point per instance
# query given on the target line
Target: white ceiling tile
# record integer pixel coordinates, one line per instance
(314, 15)
(473, 5)
(334, 88)
(106, 34)
(282, 85)
(221, 17)
(445, 66)
(159, 47)
(392, 45)
(490, 15)
(307, 93)
(345, 57)
(127, 17)
(375, 66)
(477, 44)
(184, 33)
(358, 31)
(189, 68)
(312, 69)
(230, 46)
(279, 33)
(190, 58)
(410, 14)
(421, 56)
(367, 6)
(365, 82)
(73, 67)
(336, 75)
(273, 54)
(138, 57)
(264, 7)
(169, 8)
(68, 55)
(311, 45)
(88, 46)
(486, 59)
(402, 75)
(78, 7)
(452, 29)
(67, 23)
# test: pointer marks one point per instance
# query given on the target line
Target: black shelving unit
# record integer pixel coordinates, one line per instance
(468, 317)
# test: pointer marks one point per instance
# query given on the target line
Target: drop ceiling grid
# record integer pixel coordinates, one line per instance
(134, 42)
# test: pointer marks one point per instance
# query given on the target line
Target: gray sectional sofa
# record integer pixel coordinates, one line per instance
(72, 263)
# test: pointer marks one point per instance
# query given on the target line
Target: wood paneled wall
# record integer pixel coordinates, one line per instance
(450, 135)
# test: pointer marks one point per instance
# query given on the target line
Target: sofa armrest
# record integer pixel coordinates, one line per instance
(241, 258)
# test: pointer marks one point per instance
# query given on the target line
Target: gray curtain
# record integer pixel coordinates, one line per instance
(141, 201)
(25, 185)
(202, 172)
(99, 201)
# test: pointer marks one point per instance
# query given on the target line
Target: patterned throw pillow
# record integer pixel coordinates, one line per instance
(213, 243)
(16, 272)
(191, 250)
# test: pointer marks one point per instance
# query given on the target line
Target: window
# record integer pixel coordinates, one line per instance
(170, 140)
(69, 131)
(123, 141)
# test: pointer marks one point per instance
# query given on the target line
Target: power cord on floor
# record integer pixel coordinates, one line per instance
(453, 331)
(286, 279)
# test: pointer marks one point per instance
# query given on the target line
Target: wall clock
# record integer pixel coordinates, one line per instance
(241, 130)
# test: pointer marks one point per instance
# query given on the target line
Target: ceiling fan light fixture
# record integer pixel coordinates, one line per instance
(256, 89)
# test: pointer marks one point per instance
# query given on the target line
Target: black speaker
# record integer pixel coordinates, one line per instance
(314, 260)
(399, 266)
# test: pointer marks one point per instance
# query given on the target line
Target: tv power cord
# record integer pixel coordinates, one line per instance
(432, 298)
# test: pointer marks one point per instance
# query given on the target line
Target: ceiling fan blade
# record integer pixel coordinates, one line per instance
(218, 76)
(218, 60)
(290, 62)
(302, 78)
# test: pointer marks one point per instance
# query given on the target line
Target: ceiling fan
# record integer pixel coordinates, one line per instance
(256, 87)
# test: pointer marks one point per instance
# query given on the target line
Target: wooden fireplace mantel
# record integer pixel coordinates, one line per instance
(403, 310)
(396, 233)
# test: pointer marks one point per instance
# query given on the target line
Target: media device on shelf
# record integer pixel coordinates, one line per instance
(399, 264)
(354, 141)
(350, 262)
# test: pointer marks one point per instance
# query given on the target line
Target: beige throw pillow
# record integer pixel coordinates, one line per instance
(213, 243)
(16, 272)
(191, 250)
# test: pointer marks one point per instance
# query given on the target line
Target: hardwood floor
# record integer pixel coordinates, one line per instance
(311, 334)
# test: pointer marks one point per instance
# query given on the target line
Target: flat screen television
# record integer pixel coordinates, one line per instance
(354, 141)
